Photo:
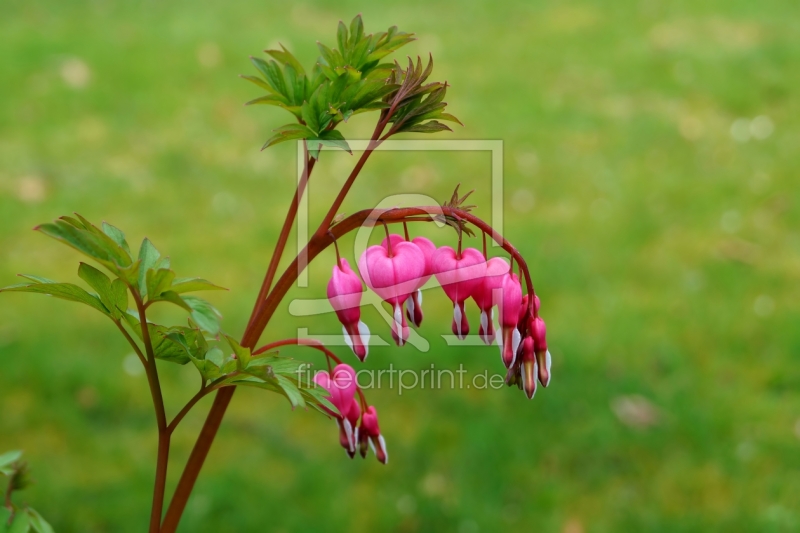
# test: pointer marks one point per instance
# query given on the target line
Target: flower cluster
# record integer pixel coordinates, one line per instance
(396, 271)
(341, 385)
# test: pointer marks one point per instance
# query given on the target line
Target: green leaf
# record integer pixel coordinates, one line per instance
(183, 285)
(39, 524)
(148, 255)
(287, 58)
(331, 138)
(7, 459)
(159, 281)
(273, 75)
(167, 346)
(242, 354)
(204, 314)
(289, 132)
(280, 365)
(94, 244)
(429, 127)
(111, 296)
(119, 294)
(117, 236)
(292, 392)
(21, 523)
(269, 99)
(173, 298)
(258, 81)
(64, 291)
(216, 356)
(5, 516)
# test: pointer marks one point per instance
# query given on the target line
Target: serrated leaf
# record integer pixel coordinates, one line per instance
(64, 291)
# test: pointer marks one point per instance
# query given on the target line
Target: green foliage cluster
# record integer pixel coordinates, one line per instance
(147, 279)
(347, 80)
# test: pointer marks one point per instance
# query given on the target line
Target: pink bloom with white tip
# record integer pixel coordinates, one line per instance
(393, 273)
(488, 294)
(344, 294)
(341, 387)
(538, 332)
(511, 299)
(459, 276)
(370, 433)
(529, 368)
(414, 303)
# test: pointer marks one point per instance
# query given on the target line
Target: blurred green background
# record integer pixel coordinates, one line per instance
(651, 160)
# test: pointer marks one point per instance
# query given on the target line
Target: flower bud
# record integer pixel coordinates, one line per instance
(509, 315)
(370, 428)
(528, 368)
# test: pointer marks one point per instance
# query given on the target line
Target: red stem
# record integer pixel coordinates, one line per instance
(285, 230)
(371, 217)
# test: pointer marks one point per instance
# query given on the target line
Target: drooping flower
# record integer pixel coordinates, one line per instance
(344, 294)
(459, 276)
(511, 298)
(393, 273)
(341, 387)
(414, 301)
(487, 295)
(528, 368)
(370, 433)
(539, 335)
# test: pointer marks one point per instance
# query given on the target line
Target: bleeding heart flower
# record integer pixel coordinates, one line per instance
(539, 335)
(370, 433)
(488, 294)
(528, 368)
(393, 274)
(459, 276)
(344, 293)
(523, 309)
(511, 294)
(341, 388)
(414, 301)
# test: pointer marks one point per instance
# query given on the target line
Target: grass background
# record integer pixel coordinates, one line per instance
(650, 170)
